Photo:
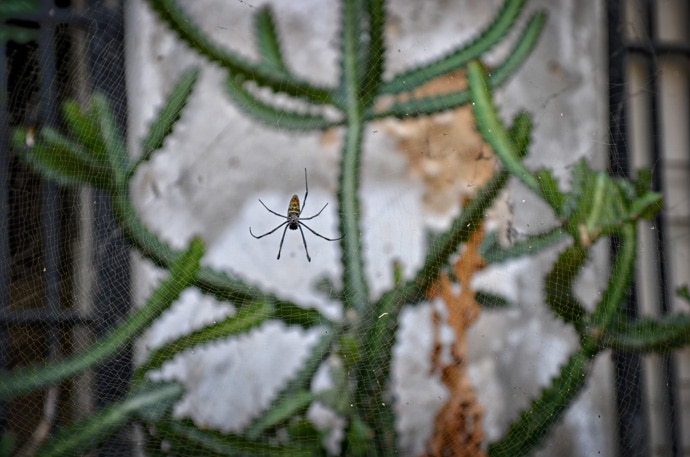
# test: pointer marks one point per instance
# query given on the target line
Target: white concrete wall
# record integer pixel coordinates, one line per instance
(218, 163)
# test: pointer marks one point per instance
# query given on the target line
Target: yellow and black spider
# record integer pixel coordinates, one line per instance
(294, 220)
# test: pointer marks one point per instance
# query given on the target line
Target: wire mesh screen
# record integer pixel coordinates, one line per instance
(445, 293)
(649, 55)
(64, 276)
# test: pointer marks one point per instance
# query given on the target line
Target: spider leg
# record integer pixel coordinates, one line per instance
(312, 217)
(268, 233)
(304, 240)
(306, 186)
(318, 234)
(271, 211)
(282, 238)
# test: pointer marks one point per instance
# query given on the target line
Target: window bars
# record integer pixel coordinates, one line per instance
(649, 100)
(64, 266)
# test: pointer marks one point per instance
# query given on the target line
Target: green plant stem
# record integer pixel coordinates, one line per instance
(425, 106)
(267, 40)
(487, 39)
(376, 52)
(609, 307)
(379, 330)
(491, 128)
(245, 319)
(558, 286)
(81, 436)
(493, 253)
(186, 438)
(536, 421)
(373, 374)
(647, 335)
(262, 73)
(355, 288)
(461, 230)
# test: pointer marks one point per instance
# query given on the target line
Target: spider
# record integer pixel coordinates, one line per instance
(294, 221)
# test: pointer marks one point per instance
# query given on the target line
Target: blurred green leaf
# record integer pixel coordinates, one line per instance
(150, 399)
(113, 140)
(86, 129)
(270, 115)
(646, 335)
(184, 438)
(167, 116)
(20, 35)
(295, 387)
(558, 286)
(538, 418)
(13, 8)
(284, 408)
(493, 252)
(491, 301)
(247, 317)
(61, 159)
(548, 188)
(487, 39)
(360, 436)
(267, 39)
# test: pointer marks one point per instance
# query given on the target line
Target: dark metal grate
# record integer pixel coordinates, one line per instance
(647, 388)
(40, 227)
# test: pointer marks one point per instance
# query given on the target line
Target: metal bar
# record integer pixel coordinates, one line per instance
(50, 200)
(55, 16)
(655, 48)
(39, 317)
(4, 220)
(112, 295)
(633, 439)
(658, 184)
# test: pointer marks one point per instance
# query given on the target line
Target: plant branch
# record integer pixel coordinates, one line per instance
(425, 106)
(491, 128)
(486, 40)
(263, 74)
(647, 335)
(355, 288)
(609, 307)
(540, 416)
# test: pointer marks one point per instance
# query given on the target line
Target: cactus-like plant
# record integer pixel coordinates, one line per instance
(93, 153)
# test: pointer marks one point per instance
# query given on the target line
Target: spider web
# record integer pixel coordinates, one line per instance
(415, 176)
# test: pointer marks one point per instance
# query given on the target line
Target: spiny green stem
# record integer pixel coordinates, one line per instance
(460, 230)
(645, 335)
(491, 127)
(355, 288)
(261, 73)
(540, 416)
(621, 273)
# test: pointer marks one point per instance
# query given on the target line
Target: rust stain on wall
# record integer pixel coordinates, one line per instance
(458, 424)
(444, 149)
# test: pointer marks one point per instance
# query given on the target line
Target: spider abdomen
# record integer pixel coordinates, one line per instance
(293, 207)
